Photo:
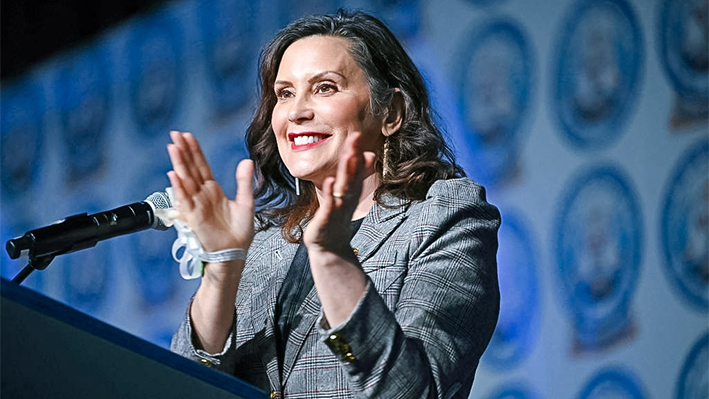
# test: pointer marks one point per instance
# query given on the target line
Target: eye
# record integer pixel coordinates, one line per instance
(325, 88)
(284, 93)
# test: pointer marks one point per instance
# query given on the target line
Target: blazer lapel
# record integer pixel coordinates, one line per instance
(379, 224)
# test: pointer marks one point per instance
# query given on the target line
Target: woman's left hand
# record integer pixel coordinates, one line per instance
(338, 276)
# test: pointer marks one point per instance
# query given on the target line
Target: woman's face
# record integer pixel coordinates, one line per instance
(323, 96)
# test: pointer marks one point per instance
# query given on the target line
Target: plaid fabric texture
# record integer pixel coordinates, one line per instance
(419, 332)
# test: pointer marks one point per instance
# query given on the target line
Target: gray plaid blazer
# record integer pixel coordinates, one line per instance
(429, 312)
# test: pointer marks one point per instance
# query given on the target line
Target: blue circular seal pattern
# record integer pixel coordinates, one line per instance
(693, 381)
(598, 250)
(495, 82)
(613, 383)
(516, 329)
(685, 226)
(683, 48)
(598, 71)
(21, 117)
(513, 391)
(155, 74)
(84, 100)
(229, 31)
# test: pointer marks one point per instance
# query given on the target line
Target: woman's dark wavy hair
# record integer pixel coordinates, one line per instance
(417, 156)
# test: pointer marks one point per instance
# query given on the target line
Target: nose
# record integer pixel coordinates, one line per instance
(301, 110)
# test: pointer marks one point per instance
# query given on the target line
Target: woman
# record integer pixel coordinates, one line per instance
(372, 270)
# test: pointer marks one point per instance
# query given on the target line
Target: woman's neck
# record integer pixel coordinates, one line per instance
(366, 198)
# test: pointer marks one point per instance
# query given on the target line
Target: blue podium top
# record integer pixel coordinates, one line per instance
(50, 350)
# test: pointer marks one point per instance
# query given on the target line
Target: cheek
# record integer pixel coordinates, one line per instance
(279, 119)
(348, 113)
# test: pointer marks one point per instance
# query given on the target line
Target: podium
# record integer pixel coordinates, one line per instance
(49, 350)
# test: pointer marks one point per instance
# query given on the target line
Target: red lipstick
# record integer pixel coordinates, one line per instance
(304, 140)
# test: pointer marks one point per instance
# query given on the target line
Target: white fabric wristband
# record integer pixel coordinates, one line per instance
(193, 255)
(190, 261)
(224, 255)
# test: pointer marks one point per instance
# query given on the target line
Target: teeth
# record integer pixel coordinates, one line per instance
(302, 140)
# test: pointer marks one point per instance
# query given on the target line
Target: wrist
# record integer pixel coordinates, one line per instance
(223, 276)
(332, 255)
(224, 255)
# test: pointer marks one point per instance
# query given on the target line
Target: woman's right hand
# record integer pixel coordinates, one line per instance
(218, 223)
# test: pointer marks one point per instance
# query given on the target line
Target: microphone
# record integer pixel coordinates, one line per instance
(85, 231)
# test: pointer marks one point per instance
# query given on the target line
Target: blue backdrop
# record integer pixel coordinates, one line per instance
(585, 119)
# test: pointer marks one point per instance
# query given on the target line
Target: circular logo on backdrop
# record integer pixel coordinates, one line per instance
(84, 99)
(515, 333)
(597, 73)
(154, 54)
(612, 383)
(598, 248)
(230, 49)
(683, 47)
(513, 391)
(693, 381)
(685, 226)
(493, 98)
(21, 117)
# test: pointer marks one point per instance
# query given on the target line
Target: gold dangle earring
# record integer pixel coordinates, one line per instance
(297, 186)
(384, 160)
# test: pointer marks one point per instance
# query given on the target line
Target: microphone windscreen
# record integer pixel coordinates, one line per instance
(159, 200)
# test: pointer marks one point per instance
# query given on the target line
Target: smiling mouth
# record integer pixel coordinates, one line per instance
(301, 141)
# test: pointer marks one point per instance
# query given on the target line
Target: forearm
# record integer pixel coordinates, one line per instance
(340, 282)
(213, 308)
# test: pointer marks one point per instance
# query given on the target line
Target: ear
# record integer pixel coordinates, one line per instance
(394, 115)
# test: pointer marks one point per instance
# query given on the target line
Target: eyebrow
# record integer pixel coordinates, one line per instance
(314, 78)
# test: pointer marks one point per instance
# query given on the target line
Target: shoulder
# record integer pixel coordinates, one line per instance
(455, 195)
(462, 188)
(452, 206)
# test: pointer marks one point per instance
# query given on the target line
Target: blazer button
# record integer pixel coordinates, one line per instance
(348, 357)
(206, 362)
(273, 395)
(334, 342)
(340, 347)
